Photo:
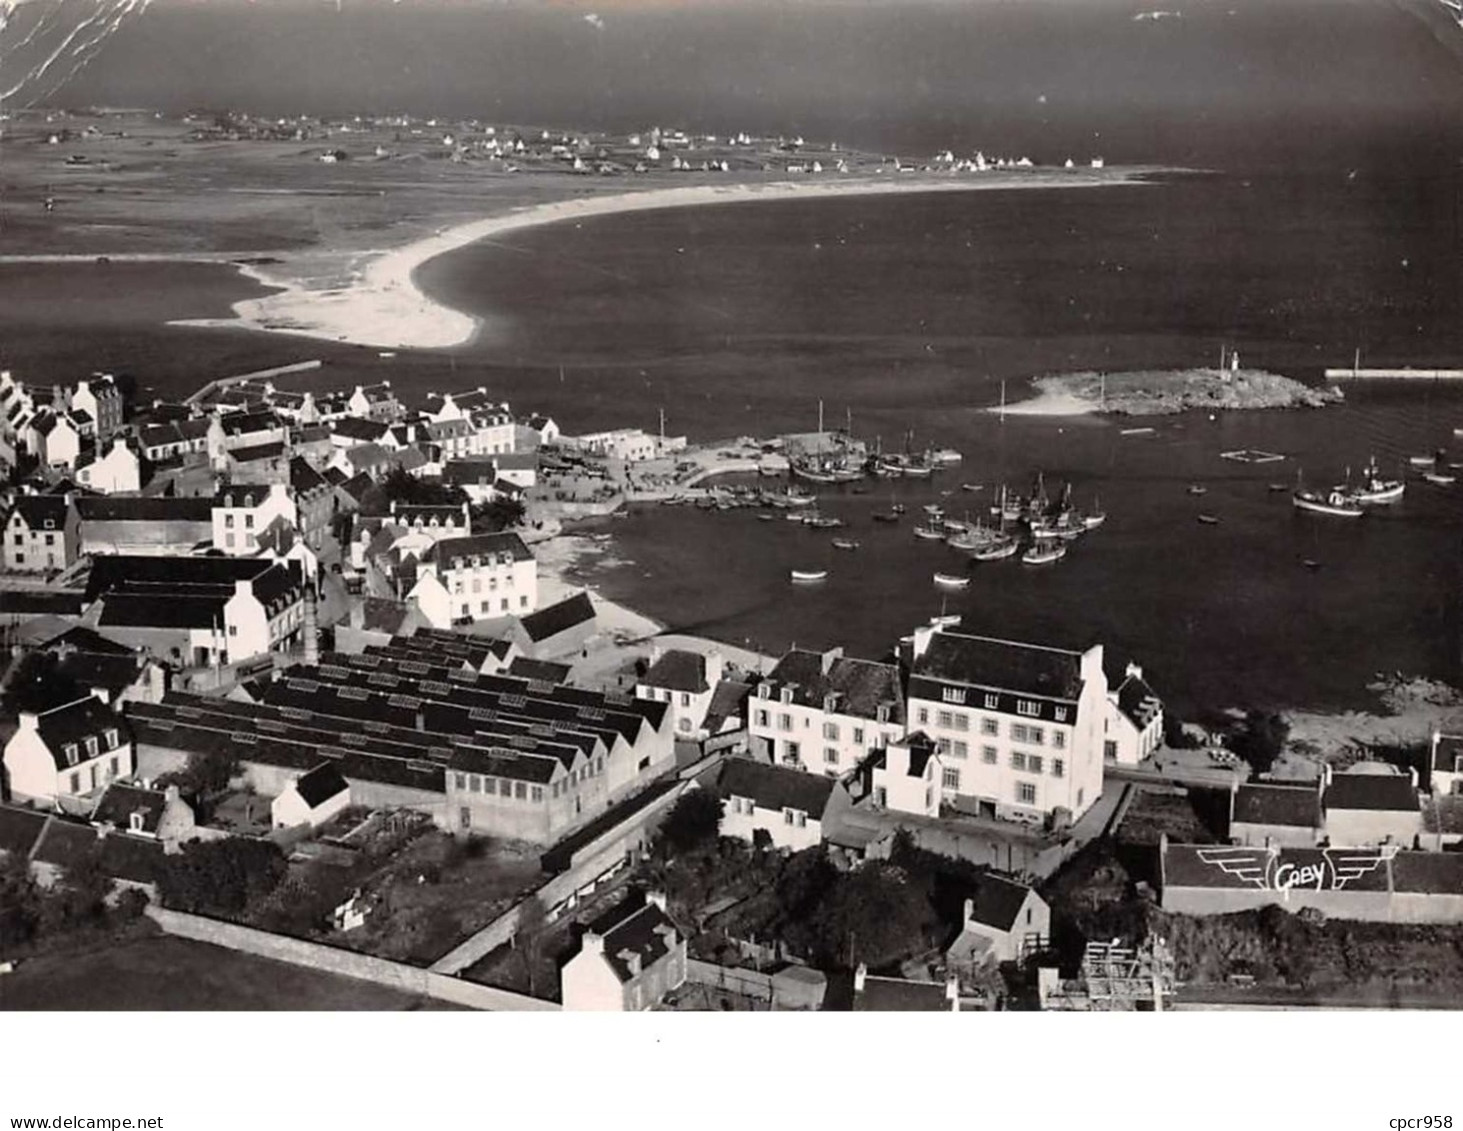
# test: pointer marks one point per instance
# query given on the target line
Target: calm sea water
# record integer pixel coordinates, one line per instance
(910, 312)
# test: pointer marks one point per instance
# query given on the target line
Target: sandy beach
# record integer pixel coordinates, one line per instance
(559, 556)
(370, 298)
(1049, 404)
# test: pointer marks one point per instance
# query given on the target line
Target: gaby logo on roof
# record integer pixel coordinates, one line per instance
(1287, 869)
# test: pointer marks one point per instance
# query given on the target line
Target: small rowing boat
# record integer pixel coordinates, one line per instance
(951, 581)
(1209, 519)
(845, 544)
(805, 576)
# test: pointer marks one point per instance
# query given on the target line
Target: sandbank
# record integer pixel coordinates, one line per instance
(1049, 404)
(369, 298)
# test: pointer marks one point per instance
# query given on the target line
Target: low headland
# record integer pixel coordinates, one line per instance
(1162, 392)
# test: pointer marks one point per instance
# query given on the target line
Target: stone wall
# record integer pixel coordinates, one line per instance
(349, 964)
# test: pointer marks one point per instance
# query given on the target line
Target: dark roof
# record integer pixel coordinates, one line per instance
(1376, 792)
(67, 602)
(380, 614)
(1291, 806)
(644, 931)
(1255, 868)
(895, 995)
(470, 471)
(543, 670)
(1138, 702)
(986, 662)
(1436, 873)
(860, 686)
(151, 508)
(120, 801)
(253, 452)
(242, 423)
(776, 787)
(678, 670)
(477, 545)
(303, 477)
(549, 622)
(357, 486)
(114, 573)
(37, 510)
(355, 428)
(727, 701)
(996, 902)
(82, 639)
(334, 476)
(67, 844)
(72, 722)
(143, 610)
(558, 858)
(20, 829)
(320, 785)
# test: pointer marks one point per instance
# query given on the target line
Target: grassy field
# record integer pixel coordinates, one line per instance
(163, 973)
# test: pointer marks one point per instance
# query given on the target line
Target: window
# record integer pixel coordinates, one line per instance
(762, 718)
(793, 751)
(685, 725)
(91, 746)
(960, 750)
(950, 779)
(1110, 749)
(787, 816)
(962, 721)
(1059, 739)
(1034, 763)
(784, 722)
(858, 736)
(460, 780)
(992, 702)
(881, 796)
(233, 630)
(685, 699)
(485, 607)
(229, 541)
(490, 785)
(520, 791)
(522, 602)
(75, 783)
(1060, 713)
(112, 770)
(1059, 768)
(1018, 760)
(988, 755)
(249, 522)
(881, 713)
(474, 783)
(795, 817)
(228, 522)
(942, 745)
(1028, 708)
(924, 717)
(944, 719)
(830, 731)
(830, 755)
(70, 751)
(537, 793)
(1038, 735)
(1018, 732)
(1026, 793)
(50, 539)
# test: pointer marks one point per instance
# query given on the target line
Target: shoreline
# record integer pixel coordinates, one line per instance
(370, 298)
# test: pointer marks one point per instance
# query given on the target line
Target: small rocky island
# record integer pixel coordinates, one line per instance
(1163, 391)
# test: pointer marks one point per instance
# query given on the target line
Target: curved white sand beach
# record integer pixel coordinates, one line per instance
(377, 303)
(1049, 404)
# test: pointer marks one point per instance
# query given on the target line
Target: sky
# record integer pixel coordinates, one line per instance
(1253, 76)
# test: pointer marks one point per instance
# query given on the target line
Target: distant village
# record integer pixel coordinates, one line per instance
(305, 638)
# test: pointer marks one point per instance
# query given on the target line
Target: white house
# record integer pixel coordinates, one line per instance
(1004, 921)
(628, 960)
(1372, 803)
(67, 752)
(54, 438)
(1020, 725)
(159, 814)
(904, 776)
(118, 470)
(101, 399)
(311, 799)
(686, 681)
(377, 402)
(825, 712)
(1133, 728)
(788, 805)
(1446, 762)
(482, 577)
(242, 513)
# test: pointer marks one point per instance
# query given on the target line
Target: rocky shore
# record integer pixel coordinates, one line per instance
(1165, 391)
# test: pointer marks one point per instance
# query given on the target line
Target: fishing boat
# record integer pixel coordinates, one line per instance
(765, 517)
(1440, 478)
(795, 518)
(945, 457)
(955, 525)
(930, 533)
(1135, 431)
(1335, 503)
(972, 487)
(1209, 519)
(934, 510)
(1422, 461)
(1044, 552)
(1005, 547)
(1276, 488)
(1198, 489)
(845, 544)
(1311, 563)
(809, 575)
(1097, 516)
(820, 522)
(1375, 489)
(951, 581)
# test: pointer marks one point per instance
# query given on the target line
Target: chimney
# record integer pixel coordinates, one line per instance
(829, 657)
(1133, 671)
(170, 794)
(921, 639)
(27, 720)
(859, 975)
(656, 899)
(631, 959)
(243, 587)
(952, 993)
(715, 667)
(1326, 773)
(969, 911)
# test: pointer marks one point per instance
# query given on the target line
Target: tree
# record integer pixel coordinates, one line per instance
(873, 915)
(37, 686)
(221, 876)
(400, 486)
(206, 773)
(694, 821)
(1261, 740)
(500, 514)
(20, 902)
(528, 937)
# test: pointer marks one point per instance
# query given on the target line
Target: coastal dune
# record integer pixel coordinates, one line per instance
(370, 298)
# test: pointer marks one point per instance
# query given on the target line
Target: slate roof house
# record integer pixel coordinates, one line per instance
(1133, 728)
(42, 533)
(788, 805)
(1287, 815)
(628, 960)
(687, 681)
(311, 799)
(1004, 920)
(1372, 803)
(68, 752)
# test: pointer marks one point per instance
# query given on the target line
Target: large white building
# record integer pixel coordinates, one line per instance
(1019, 728)
(116, 470)
(1134, 726)
(70, 751)
(241, 514)
(482, 577)
(825, 712)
